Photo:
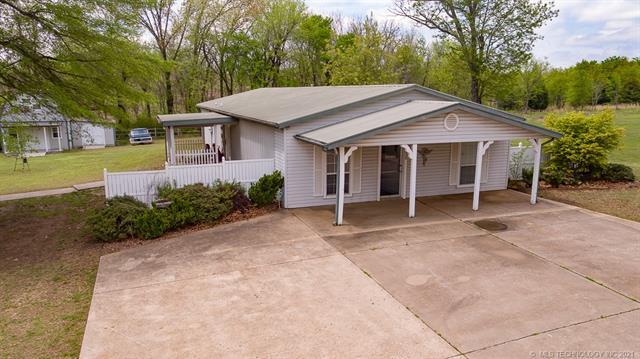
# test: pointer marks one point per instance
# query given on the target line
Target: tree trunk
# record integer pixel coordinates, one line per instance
(475, 89)
(167, 80)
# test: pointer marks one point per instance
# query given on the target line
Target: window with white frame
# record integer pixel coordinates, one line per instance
(468, 152)
(332, 174)
(54, 132)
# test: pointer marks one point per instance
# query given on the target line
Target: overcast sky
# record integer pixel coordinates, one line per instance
(584, 29)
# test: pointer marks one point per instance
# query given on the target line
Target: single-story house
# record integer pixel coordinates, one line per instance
(50, 131)
(345, 144)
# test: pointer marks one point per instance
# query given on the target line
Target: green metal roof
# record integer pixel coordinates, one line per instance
(341, 133)
(195, 119)
(283, 106)
(280, 106)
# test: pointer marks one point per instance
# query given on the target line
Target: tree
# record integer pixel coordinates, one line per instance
(168, 28)
(531, 78)
(75, 53)
(492, 36)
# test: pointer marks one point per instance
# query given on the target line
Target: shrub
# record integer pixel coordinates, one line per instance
(527, 175)
(581, 153)
(198, 203)
(617, 172)
(553, 175)
(117, 220)
(152, 223)
(264, 191)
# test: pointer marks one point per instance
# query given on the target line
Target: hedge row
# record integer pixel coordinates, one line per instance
(126, 217)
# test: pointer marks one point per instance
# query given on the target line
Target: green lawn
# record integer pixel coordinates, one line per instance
(629, 119)
(620, 202)
(65, 169)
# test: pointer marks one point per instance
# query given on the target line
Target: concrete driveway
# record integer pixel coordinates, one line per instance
(558, 280)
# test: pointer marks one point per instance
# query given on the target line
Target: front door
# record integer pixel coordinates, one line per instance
(390, 170)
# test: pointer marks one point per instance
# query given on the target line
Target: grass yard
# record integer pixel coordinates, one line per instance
(65, 169)
(620, 202)
(629, 119)
(47, 272)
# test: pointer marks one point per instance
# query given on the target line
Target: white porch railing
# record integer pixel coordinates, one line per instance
(143, 184)
(199, 157)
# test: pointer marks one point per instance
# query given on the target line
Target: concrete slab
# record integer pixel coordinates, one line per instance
(596, 247)
(368, 216)
(492, 204)
(541, 219)
(612, 337)
(266, 240)
(479, 291)
(347, 243)
(322, 307)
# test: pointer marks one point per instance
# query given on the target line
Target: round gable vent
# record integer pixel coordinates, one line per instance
(451, 122)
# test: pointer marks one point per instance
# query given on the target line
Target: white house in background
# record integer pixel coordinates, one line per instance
(52, 132)
(346, 144)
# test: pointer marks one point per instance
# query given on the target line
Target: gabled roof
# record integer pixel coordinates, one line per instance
(341, 133)
(283, 106)
(194, 119)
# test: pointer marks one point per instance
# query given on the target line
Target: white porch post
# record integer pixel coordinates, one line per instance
(482, 148)
(171, 143)
(537, 148)
(59, 134)
(412, 152)
(343, 158)
(46, 140)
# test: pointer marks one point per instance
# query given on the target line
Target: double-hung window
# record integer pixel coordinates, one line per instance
(54, 132)
(468, 152)
(332, 174)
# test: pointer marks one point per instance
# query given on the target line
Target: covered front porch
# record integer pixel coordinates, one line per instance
(196, 138)
(388, 214)
(415, 129)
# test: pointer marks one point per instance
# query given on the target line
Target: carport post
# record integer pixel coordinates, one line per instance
(537, 148)
(482, 148)
(412, 151)
(340, 186)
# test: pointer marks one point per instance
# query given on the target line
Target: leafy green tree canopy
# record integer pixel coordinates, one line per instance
(76, 53)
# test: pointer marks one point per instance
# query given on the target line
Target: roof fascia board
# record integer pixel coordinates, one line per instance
(454, 106)
(200, 122)
(231, 114)
(467, 102)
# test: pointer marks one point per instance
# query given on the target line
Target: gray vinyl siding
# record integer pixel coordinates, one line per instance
(433, 177)
(251, 140)
(471, 128)
(299, 161)
(278, 144)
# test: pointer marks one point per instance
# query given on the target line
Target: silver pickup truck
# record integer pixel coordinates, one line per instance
(139, 136)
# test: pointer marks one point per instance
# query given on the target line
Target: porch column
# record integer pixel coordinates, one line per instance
(482, 148)
(59, 134)
(171, 144)
(46, 140)
(412, 151)
(537, 148)
(343, 158)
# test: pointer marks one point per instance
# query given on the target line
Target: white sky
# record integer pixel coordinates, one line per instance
(584, 29)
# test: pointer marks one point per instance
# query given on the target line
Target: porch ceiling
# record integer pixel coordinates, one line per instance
(339, 134)
(195, 119)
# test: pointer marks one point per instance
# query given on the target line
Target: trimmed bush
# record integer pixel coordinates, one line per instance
(617, 172)
(117, 220)
(581, 154)
(153, 223)
(264, 191)
(198, 203)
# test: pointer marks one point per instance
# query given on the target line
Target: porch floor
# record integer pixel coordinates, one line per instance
(393, 213)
